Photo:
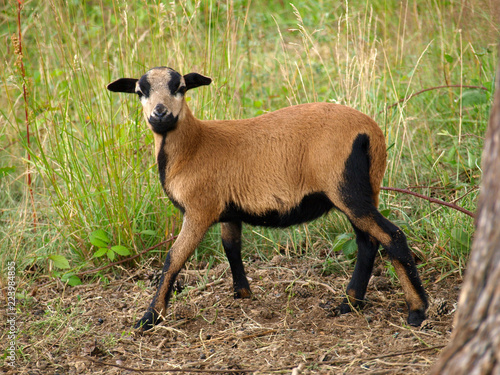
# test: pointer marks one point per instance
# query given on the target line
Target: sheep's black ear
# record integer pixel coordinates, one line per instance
(123, 85)
(195, 80)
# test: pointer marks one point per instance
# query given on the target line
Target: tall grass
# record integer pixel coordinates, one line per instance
(91, 153)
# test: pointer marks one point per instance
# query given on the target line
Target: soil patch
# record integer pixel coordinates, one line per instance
(289, 323)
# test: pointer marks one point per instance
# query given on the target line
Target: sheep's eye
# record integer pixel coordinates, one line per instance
(138, 92)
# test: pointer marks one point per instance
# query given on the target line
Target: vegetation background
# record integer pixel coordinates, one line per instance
(424, 70)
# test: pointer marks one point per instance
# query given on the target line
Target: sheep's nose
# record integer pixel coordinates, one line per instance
(159, 111)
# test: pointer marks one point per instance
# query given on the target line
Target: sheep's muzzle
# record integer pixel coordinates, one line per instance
(162, 123)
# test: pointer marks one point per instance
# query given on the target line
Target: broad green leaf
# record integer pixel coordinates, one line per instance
(100, 252)
(122, 250)
(99, 238)
(97, 242)
(148, 232)
(349, 249)
(60, 261)
(74, 280)
(340, 240)
(111, 254)
(71, 279)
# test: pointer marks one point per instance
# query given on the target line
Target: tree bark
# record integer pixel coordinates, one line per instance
(474, 347)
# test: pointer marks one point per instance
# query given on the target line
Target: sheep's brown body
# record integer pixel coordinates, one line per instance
(278, 169)
(267, 163)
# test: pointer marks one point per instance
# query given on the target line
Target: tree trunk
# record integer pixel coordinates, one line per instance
(475, 343)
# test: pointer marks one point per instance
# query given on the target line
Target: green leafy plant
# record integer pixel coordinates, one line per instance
(59, 261)
(100, 239)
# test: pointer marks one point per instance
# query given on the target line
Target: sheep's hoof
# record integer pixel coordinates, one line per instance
(242, 293)
(346, 307)
(416, 317)
(148, 321)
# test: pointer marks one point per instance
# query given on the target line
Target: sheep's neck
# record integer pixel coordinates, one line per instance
(180, 144)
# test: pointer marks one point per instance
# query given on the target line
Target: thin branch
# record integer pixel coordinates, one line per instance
(435, 88)
(473, 187)
(433, 200)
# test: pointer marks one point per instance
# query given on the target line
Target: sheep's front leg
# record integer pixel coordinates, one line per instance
(231, 241)
(190, 236)
(367, 250)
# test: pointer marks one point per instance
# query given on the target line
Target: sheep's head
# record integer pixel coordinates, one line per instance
(161, 91)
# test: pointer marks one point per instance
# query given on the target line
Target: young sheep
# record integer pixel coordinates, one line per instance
(279, 169)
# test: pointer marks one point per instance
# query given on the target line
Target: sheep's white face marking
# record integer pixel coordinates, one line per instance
(161, 91)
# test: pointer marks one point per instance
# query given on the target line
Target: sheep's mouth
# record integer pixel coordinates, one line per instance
(164, 124)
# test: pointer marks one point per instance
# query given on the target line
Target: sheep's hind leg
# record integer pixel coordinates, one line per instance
(394, 242)
(231, 241)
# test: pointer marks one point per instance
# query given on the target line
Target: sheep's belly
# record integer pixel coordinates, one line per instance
(311, 207)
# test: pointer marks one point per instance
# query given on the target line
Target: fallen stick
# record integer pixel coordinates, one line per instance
(177, 370)
(396, 354)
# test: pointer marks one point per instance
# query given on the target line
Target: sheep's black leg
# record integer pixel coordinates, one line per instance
(367, 250)
(404, 264)
(394, 242)
(231, 241)
(191, 234)
(356, 199)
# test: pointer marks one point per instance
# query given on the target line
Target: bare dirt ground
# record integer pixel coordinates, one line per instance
(289, 322)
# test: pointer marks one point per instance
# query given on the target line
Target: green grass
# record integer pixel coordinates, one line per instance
(92, 155)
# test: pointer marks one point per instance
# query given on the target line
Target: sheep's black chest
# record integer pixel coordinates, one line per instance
(162, 161)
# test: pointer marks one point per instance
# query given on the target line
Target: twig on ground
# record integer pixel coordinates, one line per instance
(177, 370)
(396, 354)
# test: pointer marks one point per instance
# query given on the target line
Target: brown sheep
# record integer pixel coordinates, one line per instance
(279, 169)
